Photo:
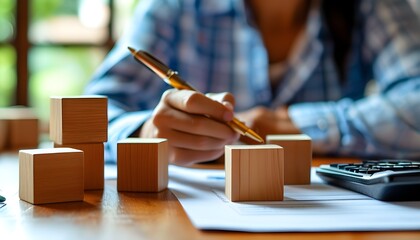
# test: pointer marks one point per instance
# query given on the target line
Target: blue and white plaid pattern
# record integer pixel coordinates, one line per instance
(213, 45)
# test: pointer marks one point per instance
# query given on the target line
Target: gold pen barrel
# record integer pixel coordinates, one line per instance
(171, 77)
(175, 81)
(241, 128)
(238, 126)
(151, 62)
(168, 75)
(235, 124)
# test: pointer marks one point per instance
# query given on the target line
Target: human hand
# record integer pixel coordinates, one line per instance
(194, 125)
(265, 121)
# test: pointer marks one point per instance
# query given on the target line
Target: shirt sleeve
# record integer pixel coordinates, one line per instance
(132, 89)
(386, 124)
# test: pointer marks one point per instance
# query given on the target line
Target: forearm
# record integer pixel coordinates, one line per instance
(121, 127)
(385, 125)
(124, 116)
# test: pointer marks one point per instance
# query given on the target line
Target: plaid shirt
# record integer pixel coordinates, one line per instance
(213, 45)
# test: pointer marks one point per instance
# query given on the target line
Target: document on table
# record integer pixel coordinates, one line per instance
(306, 208)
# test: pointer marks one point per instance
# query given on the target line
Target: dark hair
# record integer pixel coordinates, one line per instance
(340, 17)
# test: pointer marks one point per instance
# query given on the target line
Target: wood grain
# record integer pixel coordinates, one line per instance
(51, 175)
(109, 214)
(93, 163)
(254, 172)
(297, 157)
(78, 119)
(19, 128)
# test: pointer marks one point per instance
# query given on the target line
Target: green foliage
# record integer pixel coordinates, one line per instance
(41, 9)
(59, 71)
(6, 19)
(6, 6)
(7, 54)
(8, 76)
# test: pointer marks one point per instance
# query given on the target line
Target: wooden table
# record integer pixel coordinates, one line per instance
(109, 214)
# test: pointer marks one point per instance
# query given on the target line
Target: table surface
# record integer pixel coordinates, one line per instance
(109, 214)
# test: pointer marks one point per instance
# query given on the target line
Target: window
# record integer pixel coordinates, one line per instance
(7, 53)
(52, 47)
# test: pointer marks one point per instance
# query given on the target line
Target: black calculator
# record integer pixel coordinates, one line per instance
(386, 180)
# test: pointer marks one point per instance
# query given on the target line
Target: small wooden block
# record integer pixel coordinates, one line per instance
(93, 163)
(297, 157)
(254, 172)
(23, 133)
(79, 119)
(142, 164)
(3, 134)
(19, 127)
(51, 175)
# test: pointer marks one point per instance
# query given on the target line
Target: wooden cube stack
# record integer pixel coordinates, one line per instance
(297, 157)
(81, 122)
(19, 128)
(142, 164)
(51, 175)
(254, 172)
(93, 163)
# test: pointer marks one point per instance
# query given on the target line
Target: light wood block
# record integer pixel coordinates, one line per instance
(254, 172)
(93, 163)
(142, 164)
(79, 119)
(19, 128)
(51, 175)
(297, 157)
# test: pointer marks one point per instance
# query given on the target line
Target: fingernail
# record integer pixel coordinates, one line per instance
(228, 105)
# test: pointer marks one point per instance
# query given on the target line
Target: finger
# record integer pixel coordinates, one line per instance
(197, 142)
(197, 103)
(227, 99)
(187, 148)
(222, 97)
(192, 124)
(166, 117)
(187, 157)
(169, 119)
(228, 105)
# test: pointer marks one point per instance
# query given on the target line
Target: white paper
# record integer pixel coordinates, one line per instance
(306, 208)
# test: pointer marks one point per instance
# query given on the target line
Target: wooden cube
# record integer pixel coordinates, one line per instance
(3, 134)
(297, 157)
(254, 172)
(93, 163)
(142, 164)
(51, 175)
(79, 119)
(23, 133)
(19, 128)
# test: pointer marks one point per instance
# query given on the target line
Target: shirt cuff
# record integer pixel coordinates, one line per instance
(318, 121)
(121, 128)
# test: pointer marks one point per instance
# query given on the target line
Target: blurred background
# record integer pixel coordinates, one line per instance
(52, 47)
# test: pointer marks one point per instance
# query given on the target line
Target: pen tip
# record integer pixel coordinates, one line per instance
(251, 134)
(132, 50)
